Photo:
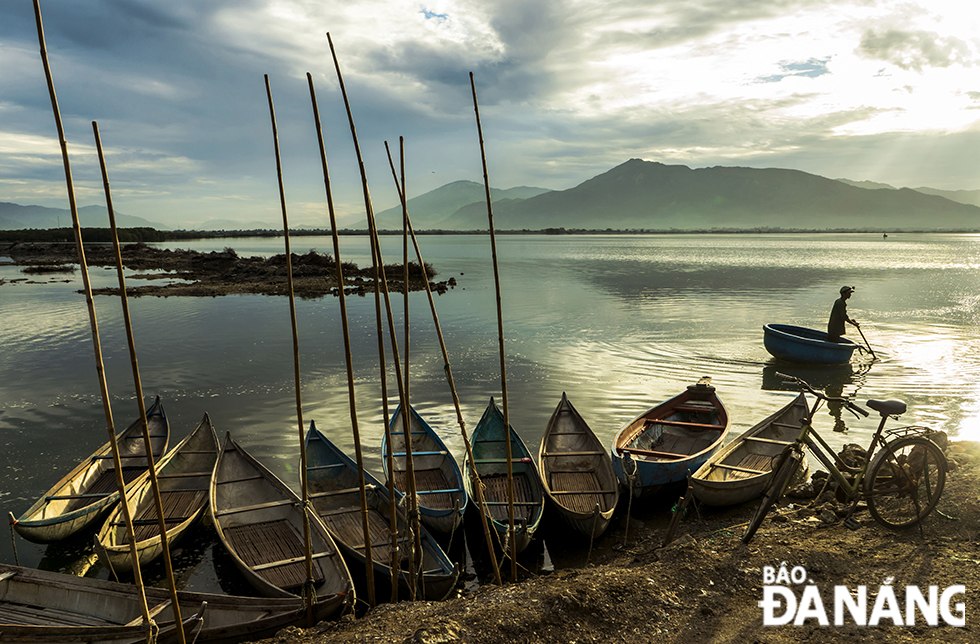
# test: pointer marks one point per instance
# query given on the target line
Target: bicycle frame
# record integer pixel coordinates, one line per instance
(820, 449)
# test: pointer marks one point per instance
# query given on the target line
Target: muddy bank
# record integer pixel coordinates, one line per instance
(197, 274)
(706, 586)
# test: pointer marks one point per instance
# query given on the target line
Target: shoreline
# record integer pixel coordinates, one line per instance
(197, 274)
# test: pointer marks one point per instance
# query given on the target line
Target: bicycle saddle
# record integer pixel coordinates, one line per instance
(893, 407)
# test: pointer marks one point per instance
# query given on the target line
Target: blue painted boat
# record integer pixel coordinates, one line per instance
(490, 455)
(438, 479)
(333, 481)
(664, 443)
(799, 344)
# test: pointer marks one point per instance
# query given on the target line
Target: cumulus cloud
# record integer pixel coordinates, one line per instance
(915, 50)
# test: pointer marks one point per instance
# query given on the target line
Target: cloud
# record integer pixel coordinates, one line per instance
(915, 50)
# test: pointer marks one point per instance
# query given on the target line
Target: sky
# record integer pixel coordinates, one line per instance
(567, 89)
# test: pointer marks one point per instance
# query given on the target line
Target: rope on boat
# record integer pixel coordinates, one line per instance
(595, 522)
(629, 468)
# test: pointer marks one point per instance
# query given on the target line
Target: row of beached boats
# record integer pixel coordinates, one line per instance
(260, 520)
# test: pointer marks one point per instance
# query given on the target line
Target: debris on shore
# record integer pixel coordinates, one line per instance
(197, 274)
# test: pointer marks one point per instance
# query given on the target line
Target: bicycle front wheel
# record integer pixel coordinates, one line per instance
(905, 479)
(785, 470)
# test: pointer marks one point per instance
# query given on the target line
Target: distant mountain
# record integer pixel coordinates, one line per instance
(431, 209)
(652, 196)
(970, 197)
(16, 217)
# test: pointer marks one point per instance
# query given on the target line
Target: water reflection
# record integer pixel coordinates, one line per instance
(620, 323)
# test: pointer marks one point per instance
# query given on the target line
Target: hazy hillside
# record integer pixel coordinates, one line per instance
(648, 195)
(431, 209)
(17, 217)
(971, 197)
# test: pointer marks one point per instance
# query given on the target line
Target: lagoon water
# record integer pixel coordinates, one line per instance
(619, 322)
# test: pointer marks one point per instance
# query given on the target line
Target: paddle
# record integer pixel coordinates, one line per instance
(873, 356)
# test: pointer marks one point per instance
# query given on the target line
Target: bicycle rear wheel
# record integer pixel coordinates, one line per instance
(785, 470)
(905, 479)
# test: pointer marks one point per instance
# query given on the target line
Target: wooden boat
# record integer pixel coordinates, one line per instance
(335, 494)
(49, 607)
(438, 479)
(664, 443)
(490, 455)
(577, 472)
(46, 607)
(259, 521)
(184, 477)
(741, 470)
(799, 344)
(86, 493)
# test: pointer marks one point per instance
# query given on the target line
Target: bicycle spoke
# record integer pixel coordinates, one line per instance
(905, 481)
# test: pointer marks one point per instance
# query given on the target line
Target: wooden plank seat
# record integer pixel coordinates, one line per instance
(681, 423)
(273, 542)
(558, 454)
(759, 439)
(257, 506)
(103, 486)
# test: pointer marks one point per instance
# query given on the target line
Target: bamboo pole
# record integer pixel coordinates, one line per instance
(477, 483)
(154, 484)
(308, 591)
(369, 562)
(100, 368)
(379, 268)
(500, 330)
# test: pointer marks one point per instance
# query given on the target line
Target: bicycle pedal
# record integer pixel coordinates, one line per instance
(852, 523)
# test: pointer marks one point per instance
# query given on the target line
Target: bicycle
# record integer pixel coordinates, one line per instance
(901, 479)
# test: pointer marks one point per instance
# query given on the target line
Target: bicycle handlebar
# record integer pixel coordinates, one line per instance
(852, 407)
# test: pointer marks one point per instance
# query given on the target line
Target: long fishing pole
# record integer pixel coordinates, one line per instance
(369, 562)
(500, 329)
(478, 484)
(308, 586)
(100, 368)
(379, 267)
(154, 484)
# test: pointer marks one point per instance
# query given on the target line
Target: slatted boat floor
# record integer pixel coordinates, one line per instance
(178, 506)
(496, 490)
(261, 543)
(349, 528)
(581, 482)
(430, 480)
(675, 444)
(105, 484)
(759, 462)
(29, 615)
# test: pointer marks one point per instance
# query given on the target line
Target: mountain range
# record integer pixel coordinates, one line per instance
(16, 217)
(653, 196)
(642, 195)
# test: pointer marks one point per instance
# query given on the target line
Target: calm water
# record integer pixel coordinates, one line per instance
(617, 322)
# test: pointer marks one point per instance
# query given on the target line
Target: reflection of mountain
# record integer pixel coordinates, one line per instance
(653, 196)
